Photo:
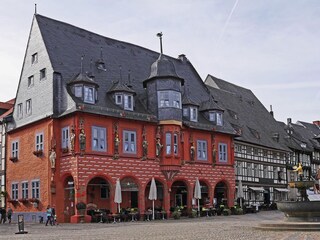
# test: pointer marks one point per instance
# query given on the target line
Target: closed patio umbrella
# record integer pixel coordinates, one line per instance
(197, 193)
(153, 195)
(117, 195)
(240, 192)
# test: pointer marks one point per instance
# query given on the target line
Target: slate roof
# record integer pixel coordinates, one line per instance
(310, 132)
(66, 44)
(249, 118)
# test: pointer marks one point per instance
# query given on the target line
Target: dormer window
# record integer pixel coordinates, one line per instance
(193, 114)
(216, 117)
(128, 102)
(78, 91)
(169, 99)
(118, 98)
(88, 94)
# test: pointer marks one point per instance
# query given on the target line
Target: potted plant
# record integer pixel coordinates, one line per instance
(193, 213)
(38, 153)
(13, 159)
(226, 212)
(23, 200)
(81, 207)
(176, 214)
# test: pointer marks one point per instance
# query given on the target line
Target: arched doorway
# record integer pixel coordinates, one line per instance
(69, 198)
(129, 191)
(98, 193)
(221, 194)
(179, 194)
(158, 204)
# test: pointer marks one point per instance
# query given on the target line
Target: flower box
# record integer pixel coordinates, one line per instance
(38, 153)
(34, 200)
(24, 200)
(13, 201)
(13, 159)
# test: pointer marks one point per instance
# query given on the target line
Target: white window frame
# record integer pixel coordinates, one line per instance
(175, 144)
(193, 114)
(14, 191)
(25, 189)
(212, 116)
(118, 99)
(219, 119)
(202, 150)
(15, 149)
(168, 143)
(129, 142)
(35, 189)
(29, 107)
(169, 98)
(128, 102)
(65, 136)
(99, 139)
(43, 74)
(223, 152)
(78, 91)
(89, 97)
(39, 142)
(185, 111)
(30, 81)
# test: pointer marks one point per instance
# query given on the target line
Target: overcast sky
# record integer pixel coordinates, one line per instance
(268, 46)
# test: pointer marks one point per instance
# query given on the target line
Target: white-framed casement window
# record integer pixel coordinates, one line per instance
(78, 91)
(202, 150)
(98, 139)
(219, 119)
(15, 149)
(175, 144)
(65, 137)
(88, 94)
(34, 58)
(223, 152)
(169, 99)
(128, 102)
(193, 114)
(118, 99)
(168, 143)
(14, 191)
(185, 112)
(20, 110)
(25, 190)
(39, 141)
(30, 81)
(129, 143)
(212, 116)
(43, 74)
(28, 107)
(35, 189)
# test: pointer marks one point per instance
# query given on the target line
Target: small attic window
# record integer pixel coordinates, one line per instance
(89, 93)
(78, 91)
(233, 114)
(255, 133)
(118, 99)
(193, 114)
(128, 102)
(43, 74)
(303, 145)
(216, 117)
(34, 58)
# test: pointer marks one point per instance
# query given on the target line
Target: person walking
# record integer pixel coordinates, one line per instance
(53, 214)
(49, 215)
(3, 215)
(9, 215)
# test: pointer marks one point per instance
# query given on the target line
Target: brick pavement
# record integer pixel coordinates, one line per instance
(218, 227)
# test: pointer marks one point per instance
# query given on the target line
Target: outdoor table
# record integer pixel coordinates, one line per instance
(115, 215)
(133, 214)
(148, 213)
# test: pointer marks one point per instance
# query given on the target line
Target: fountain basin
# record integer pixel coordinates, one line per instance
(305, 211)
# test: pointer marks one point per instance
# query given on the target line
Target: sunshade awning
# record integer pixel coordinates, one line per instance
(257, 189)
(281, 189)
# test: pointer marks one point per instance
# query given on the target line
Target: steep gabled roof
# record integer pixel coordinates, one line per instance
(66, 44)
(251, 120)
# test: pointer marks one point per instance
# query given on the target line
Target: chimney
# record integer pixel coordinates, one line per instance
(271, 112)
(182, 58)
(289, 121)
(317, 123)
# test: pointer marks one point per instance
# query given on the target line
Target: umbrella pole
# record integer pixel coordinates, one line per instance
(118, 207)
(152, 209)
(198, 207)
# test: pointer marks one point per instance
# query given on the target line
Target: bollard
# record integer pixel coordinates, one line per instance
(21, 225)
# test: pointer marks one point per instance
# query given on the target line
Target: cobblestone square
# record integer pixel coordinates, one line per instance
(218, 227)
